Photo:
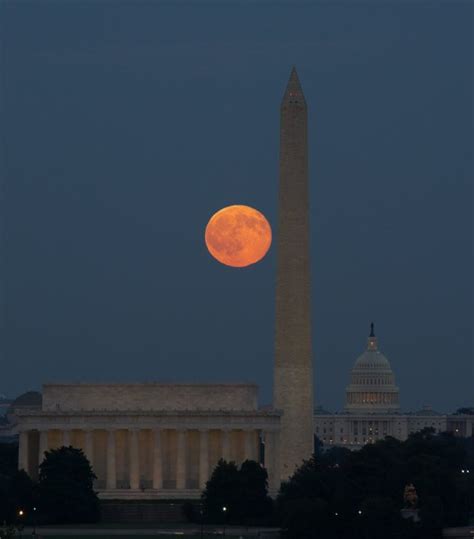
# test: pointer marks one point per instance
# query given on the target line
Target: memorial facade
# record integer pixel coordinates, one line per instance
(151, 440)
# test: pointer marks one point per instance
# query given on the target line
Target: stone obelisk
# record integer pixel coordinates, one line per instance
(293, 383)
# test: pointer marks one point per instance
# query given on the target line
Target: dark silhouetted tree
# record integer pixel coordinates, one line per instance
(243, 492)
(222, 490)
(364, 489)
(253, 484)
(16, 487)
(16, 492)
(432, 517)
(66, 487)
(308, 519)
(379, 517)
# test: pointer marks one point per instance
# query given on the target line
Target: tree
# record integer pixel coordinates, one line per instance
(380, 517)
(222, 490)
(335, 456)
(243, 492)
(434, 463)
(364, 489)
(16, 487)
(431, 517)
(255, 502)
(307, 519)
(306, 503)
(16, 492)
(66, 487)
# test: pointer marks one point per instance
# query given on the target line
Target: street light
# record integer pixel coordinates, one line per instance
(21, 514)
(224, 510)
(34, 521)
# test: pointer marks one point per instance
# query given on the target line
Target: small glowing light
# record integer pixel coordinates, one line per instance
(20, 513)
(224, 509)
(336, 514)
(360, 512)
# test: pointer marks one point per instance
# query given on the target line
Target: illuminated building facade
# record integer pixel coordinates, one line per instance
(372, 408)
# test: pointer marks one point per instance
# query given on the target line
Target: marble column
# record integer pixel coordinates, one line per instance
(272, 460)
(203, 458)
(226, 444)
(23, 451)
(181, 460)
(43, 445)
(66, 438)
(134, 460)
(89, 446)
(249, 445)
(157, 460)
(111, 481)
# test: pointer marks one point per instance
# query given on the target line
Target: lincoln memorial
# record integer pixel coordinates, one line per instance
(151, 440)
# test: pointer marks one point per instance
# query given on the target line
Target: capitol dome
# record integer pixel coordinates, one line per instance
(372, 387)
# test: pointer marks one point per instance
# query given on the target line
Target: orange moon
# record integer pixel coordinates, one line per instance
(238, 236)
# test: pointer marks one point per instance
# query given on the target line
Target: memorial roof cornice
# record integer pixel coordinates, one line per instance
(149, 413)
(138, 384)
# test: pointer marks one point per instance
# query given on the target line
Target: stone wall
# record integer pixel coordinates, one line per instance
(149, 396)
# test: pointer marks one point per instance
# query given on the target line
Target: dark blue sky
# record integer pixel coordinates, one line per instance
(126, 125)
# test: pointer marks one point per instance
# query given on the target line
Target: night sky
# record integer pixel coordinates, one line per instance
(124, 126)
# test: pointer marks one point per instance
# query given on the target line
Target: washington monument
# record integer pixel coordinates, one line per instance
(293, 383)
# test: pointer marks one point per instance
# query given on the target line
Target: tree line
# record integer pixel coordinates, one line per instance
(337, 494)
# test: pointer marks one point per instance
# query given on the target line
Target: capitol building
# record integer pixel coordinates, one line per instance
(372, 409)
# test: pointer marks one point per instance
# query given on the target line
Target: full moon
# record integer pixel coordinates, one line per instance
(238, 236)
